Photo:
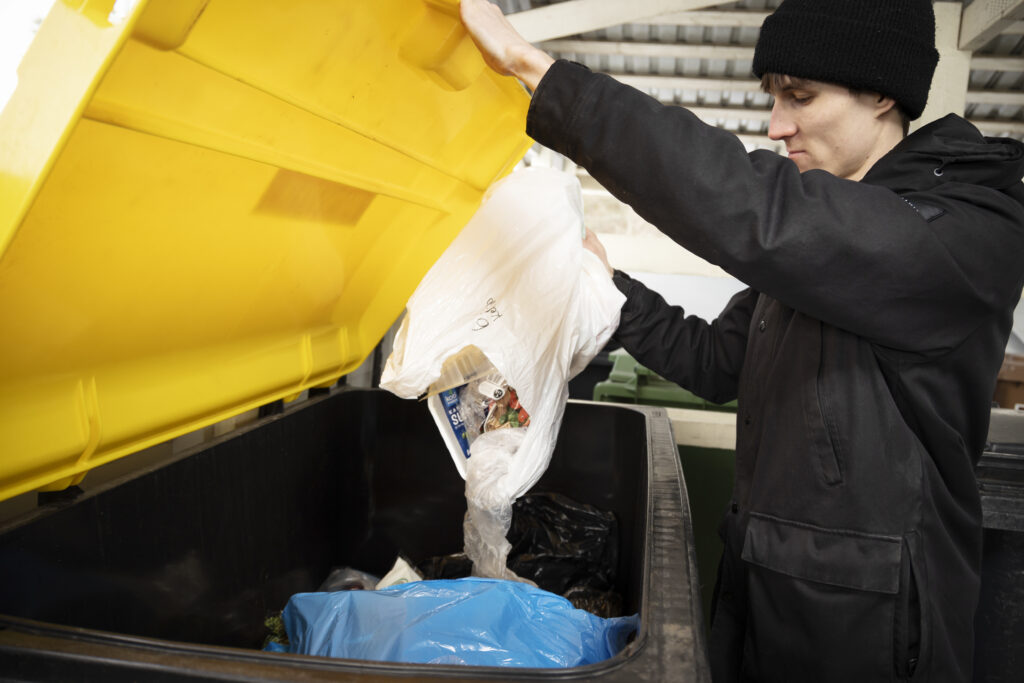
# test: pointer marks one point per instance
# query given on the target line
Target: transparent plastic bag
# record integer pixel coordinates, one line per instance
(488, 509)
(348, 579)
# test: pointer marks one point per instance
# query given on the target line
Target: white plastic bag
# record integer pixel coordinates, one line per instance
(515, 294)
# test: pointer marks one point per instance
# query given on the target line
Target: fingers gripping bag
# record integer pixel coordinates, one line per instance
(512, 310)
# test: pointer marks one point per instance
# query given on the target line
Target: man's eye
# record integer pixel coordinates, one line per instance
(801, 99)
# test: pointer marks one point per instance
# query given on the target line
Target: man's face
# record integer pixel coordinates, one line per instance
(825, 126)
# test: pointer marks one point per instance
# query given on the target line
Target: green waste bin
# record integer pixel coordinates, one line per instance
(708, 472)
(630, 382)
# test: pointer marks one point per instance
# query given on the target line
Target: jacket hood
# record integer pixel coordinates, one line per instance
(949, 150)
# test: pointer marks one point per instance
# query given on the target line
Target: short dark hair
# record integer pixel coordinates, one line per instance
(771, 82)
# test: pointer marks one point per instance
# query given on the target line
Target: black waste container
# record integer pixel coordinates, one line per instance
(168, 574)
(999, 624)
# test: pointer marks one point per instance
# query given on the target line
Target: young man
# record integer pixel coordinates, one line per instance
(883, 273)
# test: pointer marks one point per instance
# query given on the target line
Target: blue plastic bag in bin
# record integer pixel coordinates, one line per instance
(474, 621)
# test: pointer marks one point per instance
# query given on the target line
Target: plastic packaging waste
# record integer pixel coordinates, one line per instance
(481, 622)
(347, 579)
(400, 572)
(515, 301)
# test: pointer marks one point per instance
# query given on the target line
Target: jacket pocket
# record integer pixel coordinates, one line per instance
(909, 628)
(820, 412)
(825, 604)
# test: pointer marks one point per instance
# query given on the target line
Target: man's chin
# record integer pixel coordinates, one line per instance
(801, 160)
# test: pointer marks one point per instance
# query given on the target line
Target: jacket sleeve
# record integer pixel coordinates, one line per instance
(705, 358)
(852, 254)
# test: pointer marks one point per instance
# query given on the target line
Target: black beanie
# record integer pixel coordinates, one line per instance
(883, 46)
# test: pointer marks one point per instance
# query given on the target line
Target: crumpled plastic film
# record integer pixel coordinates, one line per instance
(488, 509)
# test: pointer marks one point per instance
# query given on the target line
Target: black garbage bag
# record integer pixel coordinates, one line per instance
(563, 546)
(455, 566)
(559, 543)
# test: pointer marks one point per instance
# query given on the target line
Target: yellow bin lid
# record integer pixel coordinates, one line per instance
(207, 205)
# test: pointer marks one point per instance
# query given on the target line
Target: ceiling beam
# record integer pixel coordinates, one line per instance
(731, 113)
(996, 63)
(646, 82)
(996, 127)
(579, 16)
(727, 52)
(1013, 98)
(631, 49)
(711, 19)
(983, 20)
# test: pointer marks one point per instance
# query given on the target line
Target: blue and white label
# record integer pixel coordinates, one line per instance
(450, 401)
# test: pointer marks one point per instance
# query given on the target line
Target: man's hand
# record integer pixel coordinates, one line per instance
(591, 243)
(503, 49)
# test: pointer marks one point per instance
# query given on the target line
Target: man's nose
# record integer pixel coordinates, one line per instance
(781, 125)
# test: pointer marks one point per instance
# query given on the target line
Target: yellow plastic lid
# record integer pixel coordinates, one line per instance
(207, 205)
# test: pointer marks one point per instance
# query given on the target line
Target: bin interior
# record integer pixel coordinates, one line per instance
(201, 550)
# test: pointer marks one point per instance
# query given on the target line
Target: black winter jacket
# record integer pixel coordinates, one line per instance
(864, 357)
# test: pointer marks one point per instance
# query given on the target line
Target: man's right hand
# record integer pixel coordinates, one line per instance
(591, 243)
(503, 49)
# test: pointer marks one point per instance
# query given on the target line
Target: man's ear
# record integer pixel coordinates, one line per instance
(883, 105)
